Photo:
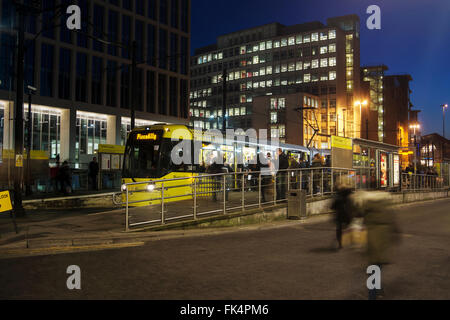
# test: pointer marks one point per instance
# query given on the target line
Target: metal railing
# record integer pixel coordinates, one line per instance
(163, 201)
(423, 182)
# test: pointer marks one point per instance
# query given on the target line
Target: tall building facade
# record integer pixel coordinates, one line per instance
(313, 58)
(83, 78)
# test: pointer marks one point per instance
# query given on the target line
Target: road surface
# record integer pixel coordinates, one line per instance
(289, 260)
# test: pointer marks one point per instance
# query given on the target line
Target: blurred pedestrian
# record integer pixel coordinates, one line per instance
(93, 173)
(343, 206)
(215, 168)
(283, 165)
(65, 178)
(382, 230)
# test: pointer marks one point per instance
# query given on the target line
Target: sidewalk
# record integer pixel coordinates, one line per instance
(50, 232)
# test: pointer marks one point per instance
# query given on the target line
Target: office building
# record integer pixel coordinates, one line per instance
(273, 59)
(83, 78)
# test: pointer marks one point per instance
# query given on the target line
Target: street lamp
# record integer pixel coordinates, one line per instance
(360, 104)
(444, 106)
(415, 127)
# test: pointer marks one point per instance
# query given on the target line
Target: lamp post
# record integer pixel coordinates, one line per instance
(360, 104)
(31, 91)
(444, 106)
(415, 127)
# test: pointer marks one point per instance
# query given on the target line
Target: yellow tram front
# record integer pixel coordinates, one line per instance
(147, 161)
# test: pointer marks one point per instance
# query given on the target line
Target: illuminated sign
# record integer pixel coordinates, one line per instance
(149, 136)
(341, 143)
(396, 170)
(383, 170)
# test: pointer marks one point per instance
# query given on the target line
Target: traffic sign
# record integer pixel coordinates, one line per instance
(19, 161)
(5, 201)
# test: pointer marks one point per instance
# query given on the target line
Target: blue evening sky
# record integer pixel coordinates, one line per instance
(414, 39)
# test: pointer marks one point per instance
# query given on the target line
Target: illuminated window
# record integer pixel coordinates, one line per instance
(291, 41)
(306, 65)
(269, 69)
(277, 69)
(324, 50)
(269, 44)
(269, 83)
(262, 46)
(255, 59)
(276, 44)
(323, 36)
(332, 61)
(332, 47)
(332, 75)
(299, 39)
(284, 67)
(307, 38)
(291, 66)
(332, 34)
(284, 42)
(324, 63)
(315, 37)
(243, 50)
(315, 64)
(273, 117)
(307, 77)
(323, 77)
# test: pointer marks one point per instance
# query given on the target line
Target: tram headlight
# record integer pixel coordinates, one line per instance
(124, 187)
(150, 187)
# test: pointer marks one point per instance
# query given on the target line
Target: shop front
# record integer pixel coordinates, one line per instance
(377, 165)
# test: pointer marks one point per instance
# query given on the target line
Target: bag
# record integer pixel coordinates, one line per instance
(355, 235)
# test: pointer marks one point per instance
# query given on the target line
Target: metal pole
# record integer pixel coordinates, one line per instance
(311, 183)
(259, 190)
(28, 182)
(126, 213)
(243, 191)
(224, 195)
(301, 180)
(332, 181)
(162, 204)
(289, 180)
(275, 189)
(224, 99)
(321, 183)
(195, 198)
(18, 111)
(133, 83)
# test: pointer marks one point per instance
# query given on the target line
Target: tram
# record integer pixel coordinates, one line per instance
(149, 152)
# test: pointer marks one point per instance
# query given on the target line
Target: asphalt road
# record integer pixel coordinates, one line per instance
(287, 261)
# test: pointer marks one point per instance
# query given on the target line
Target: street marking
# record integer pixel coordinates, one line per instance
(14, 253)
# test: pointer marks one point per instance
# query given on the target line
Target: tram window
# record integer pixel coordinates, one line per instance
(141, 160)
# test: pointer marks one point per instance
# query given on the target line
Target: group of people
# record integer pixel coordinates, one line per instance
(61, 176)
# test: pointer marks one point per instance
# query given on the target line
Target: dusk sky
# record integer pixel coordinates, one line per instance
(414, 38)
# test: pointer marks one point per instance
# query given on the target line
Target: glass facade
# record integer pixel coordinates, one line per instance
(90, 132)
(45, 130)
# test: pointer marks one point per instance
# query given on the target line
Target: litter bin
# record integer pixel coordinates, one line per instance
(297, 204)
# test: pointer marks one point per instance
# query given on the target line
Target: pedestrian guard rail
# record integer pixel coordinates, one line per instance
(158, 202)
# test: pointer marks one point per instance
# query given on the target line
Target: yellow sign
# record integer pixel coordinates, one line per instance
(109, 148)
(341, 143)
(19, 161)
(5, 201)
(150, 136)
